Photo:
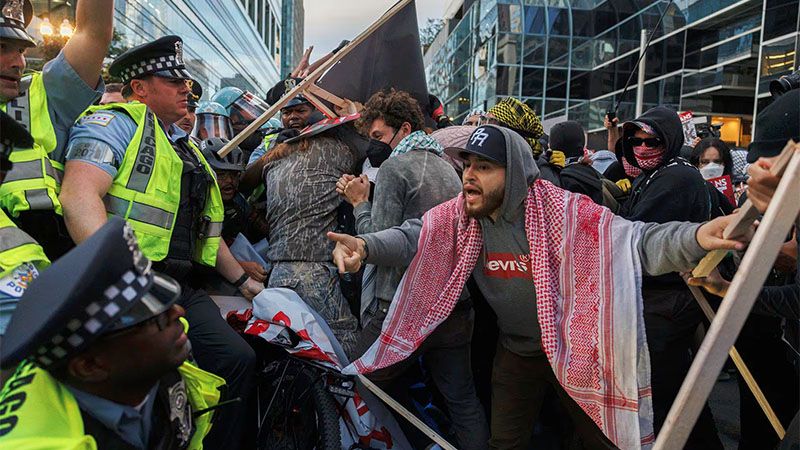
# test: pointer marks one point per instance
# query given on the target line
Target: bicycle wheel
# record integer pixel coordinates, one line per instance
(298, 411)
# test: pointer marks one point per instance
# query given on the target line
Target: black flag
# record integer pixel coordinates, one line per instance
(390, 57)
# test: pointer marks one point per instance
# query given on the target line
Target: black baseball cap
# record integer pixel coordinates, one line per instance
(487, 142)
(775, 125)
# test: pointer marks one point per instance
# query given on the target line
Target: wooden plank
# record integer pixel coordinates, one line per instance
(311, 79)
(745, 217)
(434, 436)
(325, 95)
(320, 105)
(744, 371)
(744, 290)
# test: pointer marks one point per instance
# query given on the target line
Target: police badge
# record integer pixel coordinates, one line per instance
(179, 53)
(13, 10)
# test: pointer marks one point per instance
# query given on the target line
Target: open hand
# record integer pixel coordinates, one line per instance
(762, 184)
(348, 253)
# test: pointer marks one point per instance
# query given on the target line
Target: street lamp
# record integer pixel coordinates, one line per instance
(46, 28)
(66, 29)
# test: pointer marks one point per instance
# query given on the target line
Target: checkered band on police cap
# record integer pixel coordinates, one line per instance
(162, 57)
(86, 324)
(166, 64)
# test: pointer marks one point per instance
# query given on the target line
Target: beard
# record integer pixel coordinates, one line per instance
(490, 201)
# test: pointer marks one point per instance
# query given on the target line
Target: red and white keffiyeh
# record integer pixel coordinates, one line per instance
(587, 275)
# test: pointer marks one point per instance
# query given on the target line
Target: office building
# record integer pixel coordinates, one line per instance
(571, 59)
(226, 42)
(293, 29)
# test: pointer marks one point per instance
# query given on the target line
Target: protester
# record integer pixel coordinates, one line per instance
(475, 118)
(174, 206)
(577, 175)
(412, 180)
(502, 206)
(713, 157)
(112, 94)
(47, 104)
(519, 117)
(102, 356)
(238, 213)
(300, 184)
(668, 189)
(453, 137)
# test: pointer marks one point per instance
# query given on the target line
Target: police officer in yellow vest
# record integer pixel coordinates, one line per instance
(21, 257)
(101, 352)
(47, 104)
(130, 160)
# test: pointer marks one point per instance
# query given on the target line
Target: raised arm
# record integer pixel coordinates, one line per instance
(88, 46)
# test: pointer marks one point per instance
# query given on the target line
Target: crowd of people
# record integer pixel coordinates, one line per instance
(538, 286)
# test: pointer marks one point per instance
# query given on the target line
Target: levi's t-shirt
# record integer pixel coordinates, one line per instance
(503, 274)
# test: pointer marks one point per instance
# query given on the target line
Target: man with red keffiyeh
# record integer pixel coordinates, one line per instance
(564, 277)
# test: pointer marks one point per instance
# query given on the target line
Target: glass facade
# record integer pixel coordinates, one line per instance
(573, 57)
(226, 43)
(293, 27)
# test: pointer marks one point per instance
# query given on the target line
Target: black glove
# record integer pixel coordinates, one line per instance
(287, 134)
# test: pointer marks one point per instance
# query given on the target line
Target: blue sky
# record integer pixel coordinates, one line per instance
(327, 22)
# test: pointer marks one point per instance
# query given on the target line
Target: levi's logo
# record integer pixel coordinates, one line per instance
(507, 265)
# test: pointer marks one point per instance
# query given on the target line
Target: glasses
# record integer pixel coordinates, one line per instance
(649, 142)
(161, 321)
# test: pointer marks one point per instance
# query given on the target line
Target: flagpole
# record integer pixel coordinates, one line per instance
(310, 79)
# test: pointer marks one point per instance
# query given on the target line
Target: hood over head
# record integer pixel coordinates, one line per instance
(665, 123)
(521, 172)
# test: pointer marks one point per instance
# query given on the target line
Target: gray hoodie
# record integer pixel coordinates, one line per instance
(664, 248)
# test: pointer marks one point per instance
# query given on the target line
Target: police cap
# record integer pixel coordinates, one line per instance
(104, 284)
(15, 17)
(162, 57)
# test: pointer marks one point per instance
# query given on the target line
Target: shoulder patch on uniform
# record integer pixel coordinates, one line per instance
(102, 118)
(16, 282)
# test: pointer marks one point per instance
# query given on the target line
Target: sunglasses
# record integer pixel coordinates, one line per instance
(649, 142)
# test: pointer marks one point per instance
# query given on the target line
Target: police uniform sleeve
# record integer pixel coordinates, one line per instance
(12, 286)
(257, 153)
(67, 97)
(100, 139)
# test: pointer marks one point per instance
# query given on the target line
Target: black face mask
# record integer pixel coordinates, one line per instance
(252, 141)
(379, 151)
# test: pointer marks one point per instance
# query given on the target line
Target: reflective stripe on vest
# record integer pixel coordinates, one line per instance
(35, 180)
(16, 247)
(40, 412)
(146, 190)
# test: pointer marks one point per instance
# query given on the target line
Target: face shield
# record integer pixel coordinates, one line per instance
(212, 125)
(246, 109)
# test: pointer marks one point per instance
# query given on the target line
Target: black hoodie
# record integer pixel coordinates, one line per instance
(675, 190)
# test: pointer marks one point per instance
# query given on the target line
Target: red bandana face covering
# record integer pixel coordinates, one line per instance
(631, 171)
(648, 158)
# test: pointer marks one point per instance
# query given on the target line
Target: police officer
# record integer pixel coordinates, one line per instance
(186, 123)
(130, 160)
(47, 104)
(101, 352)
(20, 256)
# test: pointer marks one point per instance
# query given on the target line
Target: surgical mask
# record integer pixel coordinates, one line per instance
(712, 170)
(648, 158)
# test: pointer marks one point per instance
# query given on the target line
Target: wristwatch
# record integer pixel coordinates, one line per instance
(366, 249)
(238, 283)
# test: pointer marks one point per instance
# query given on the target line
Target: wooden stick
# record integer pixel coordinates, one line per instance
(322, 107)
(731, 316)
(422, 426)
(325, 95)
(311, 79)
(744, 371)
(746, 215)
